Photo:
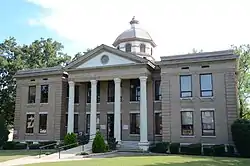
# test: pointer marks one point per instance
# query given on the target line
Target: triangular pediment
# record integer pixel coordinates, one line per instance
(103, 56)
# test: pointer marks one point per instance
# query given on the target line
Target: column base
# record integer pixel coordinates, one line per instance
(143, 146)
(119, 143)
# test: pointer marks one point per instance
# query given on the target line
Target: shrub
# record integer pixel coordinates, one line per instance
(10, 145)
(161, 147)
(219, 150)
(98, 145)
(112, 143)
(230, 151)
(20, 146)
(208, 151)
(192, 149)
(83, 139)
(174, 148)
(4, 132)
(34, 146)
(70, 138)
(241, 136)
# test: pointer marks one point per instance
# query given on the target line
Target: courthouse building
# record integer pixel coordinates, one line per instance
(123, 92)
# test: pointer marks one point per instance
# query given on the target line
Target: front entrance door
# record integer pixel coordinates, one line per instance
(110, 126)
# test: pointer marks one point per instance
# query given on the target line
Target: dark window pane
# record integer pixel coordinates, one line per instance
(186, 86)
(98, 92)
(206, 85)
(44, 93)
(30, 123)
(158, 123)
(187, 123)
(32, 94)
(76, 94)
(111, 91)
(128, 47)
(134, 123)
(75, 123)
(88, 92)
(157, 90)
(142, 48)
(88, 123)
(43, 123)
(134, 90)
(208, 124)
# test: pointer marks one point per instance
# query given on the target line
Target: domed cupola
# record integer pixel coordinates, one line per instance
(136, 41)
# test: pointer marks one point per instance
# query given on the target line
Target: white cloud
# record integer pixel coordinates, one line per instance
(177, 26)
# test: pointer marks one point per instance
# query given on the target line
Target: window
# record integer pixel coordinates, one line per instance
(88, 123)
(157, 90)
(128, 47)
(76, 94)
(89, 92)
(151, 51)
(32, 94)
(134, 123)
(75, 122)
(111, 91)
(98, 92)
(186, 86)
(158, 124)
(42, 123)
(142, 48)
(135, 90)
(208, 124)
(118, 47)
(206, 85)
(30, 123)
(44, 93)
(187, 127)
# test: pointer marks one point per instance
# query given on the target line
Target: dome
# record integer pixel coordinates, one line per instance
(134, 33)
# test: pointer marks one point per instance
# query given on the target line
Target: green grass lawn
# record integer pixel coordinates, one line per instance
(155, 161)
(13, 154)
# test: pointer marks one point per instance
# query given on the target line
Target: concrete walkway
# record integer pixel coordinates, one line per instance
(66, 155)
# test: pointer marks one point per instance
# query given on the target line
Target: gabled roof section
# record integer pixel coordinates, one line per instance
(104, 48)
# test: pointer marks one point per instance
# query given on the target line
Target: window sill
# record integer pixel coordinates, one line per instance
(187, 98)
(90, 103)
(158, 135)
(203, 136)
(29, 134)
(134, 135)
(134, 102)
(76, 103)
(204, 98)
(44, 103)
(42, 134)
(187, 136)
(31, 104)
(157, 101)
(110, 102)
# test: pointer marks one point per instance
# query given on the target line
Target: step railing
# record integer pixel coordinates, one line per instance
(45, 146)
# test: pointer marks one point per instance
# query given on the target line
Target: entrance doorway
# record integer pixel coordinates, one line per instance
(110, 126)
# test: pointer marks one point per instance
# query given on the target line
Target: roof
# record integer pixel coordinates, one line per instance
(134, 33)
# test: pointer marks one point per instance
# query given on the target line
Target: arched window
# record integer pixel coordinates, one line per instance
(142, 48)
(128, 47)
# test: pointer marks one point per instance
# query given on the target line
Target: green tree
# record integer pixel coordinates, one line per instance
(4, 132)
(79, 54)
(14, 57)
(243, 79)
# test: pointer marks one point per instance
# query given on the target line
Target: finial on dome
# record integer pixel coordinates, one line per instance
(133, 22)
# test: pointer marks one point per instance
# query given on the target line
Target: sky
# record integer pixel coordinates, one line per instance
(176, 26)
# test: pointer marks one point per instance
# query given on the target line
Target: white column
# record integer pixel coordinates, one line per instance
(70, 128)
(93, 109)
(117, 118)
(143, 114)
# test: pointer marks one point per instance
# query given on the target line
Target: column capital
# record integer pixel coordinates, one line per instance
(93, 82)
(117, 80)
(143, 78)
(71, 83)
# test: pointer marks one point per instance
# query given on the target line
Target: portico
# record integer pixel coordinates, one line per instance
(117, 109)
